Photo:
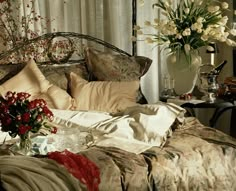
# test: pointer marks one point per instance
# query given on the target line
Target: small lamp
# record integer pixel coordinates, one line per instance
(212, 49)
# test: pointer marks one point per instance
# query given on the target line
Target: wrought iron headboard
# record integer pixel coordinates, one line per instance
(74, 43)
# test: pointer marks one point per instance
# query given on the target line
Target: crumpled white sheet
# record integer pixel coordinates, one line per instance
(135, 130)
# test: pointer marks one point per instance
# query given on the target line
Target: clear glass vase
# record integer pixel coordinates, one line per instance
(25, 145)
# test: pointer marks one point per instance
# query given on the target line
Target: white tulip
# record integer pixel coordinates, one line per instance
(187, 10)
(187, 32)
(229, 42)
(199, 30)
(224, 5)
(204, 37)
(178, 36)
(213, 9)
(223, 20)
(233, 32)
(200, 19)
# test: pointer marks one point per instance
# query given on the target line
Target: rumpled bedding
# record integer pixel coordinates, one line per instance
(195, 158)
(20, 173)
(191, 157)
(136, 129)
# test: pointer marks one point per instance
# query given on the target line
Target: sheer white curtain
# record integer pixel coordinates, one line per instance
(150, 82)
(110, 20)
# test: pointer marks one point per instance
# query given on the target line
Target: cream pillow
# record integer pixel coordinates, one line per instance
(31, 80)
(105, 96)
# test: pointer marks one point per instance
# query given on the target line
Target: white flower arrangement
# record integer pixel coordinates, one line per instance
(190, 25)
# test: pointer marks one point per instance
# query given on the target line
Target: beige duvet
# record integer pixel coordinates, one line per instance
(193, 157)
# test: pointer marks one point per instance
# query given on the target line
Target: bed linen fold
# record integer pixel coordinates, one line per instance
(28, 173)
(136, 129)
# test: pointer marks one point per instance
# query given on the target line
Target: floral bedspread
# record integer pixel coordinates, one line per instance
(195, 157)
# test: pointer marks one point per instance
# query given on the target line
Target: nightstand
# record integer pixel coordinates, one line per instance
(220, 106)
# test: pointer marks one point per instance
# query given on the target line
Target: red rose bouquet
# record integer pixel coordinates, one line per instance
(20, 116)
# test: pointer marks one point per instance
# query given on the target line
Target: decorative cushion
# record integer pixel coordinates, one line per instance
(105, 66)
(56, 74)
(31, 80)
(105, 96)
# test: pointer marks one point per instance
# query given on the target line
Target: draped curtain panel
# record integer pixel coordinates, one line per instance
(151, 81)
(110, 20)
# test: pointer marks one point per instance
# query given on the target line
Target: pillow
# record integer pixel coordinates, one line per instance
(31, 80)
(105, 66)
(9, 70)
(56, 74)
(116, 67)
(105, 96)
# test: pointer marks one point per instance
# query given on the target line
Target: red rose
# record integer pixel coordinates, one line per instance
(6, 120)
(22, 96)
(47, 112)
(31, 105)
(4, 109)
(39, 118)
(54, 130)
(9, 94)
(26, 117)
(23, 129)
(11, 101)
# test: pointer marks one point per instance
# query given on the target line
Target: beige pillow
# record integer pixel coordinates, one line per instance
(31, 80)
(103, 95)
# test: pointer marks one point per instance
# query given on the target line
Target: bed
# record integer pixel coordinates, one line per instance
(121, 142)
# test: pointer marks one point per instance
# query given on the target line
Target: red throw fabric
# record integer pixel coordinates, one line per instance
(80, 166)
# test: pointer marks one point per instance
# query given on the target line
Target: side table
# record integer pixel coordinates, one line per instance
(220, 106)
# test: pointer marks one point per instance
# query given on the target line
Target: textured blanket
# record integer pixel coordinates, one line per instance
(20, 173)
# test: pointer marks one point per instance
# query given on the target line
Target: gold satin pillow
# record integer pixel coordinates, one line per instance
(104, 96)
(31, 80)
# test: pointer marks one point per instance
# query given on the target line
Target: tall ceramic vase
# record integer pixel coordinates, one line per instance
(184, 70)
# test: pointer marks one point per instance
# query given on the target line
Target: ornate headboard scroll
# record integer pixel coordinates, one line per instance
(69, 46)
(58, 54)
